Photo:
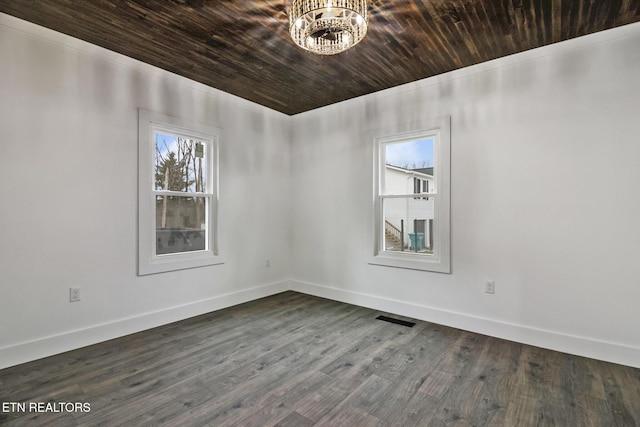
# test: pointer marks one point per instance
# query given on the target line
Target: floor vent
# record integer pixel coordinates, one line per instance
(397, 321)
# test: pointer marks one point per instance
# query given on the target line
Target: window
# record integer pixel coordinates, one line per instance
(421, 185)
(177, 205)
(412, 185)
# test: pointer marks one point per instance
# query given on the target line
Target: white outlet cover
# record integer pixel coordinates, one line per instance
(74, 294)
(490, 287)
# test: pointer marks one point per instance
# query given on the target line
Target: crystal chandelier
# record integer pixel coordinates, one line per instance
(327, 27)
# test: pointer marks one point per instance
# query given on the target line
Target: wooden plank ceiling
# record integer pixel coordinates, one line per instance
(243, 47)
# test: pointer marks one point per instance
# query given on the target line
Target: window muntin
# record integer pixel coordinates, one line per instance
(177, 194)
(412, 199)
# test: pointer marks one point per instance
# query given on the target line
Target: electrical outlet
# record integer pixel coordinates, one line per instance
(74, 294)
(490, 287)
(267, 263)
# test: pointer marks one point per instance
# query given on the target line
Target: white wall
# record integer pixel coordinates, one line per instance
(545, 173)
(68, 195)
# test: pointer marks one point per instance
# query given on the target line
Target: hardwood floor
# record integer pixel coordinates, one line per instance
(297, 360)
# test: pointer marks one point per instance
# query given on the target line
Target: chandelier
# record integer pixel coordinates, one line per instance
(327, 27)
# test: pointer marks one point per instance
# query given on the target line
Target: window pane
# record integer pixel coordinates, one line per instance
(408, 224)
(180, 224)
(409, 166)
(180, 164)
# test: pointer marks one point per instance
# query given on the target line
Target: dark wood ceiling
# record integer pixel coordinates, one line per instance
(243, 47)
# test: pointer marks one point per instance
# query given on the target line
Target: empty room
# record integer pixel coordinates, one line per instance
(319, 213)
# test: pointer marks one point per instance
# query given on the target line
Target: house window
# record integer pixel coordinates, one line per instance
(177, 175)
(412, 186)
(421, 185)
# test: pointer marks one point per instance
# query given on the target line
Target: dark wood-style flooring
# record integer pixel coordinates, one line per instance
(297, 360)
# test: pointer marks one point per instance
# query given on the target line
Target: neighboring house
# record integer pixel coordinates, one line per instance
(407, 216)
(179, 225)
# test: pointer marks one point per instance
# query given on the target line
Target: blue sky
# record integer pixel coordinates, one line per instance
(411, 154)
(169, 140)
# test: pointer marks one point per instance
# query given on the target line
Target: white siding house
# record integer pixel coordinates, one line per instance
(407, 216)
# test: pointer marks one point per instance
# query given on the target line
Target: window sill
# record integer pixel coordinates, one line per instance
(162, 264)
(411, 261)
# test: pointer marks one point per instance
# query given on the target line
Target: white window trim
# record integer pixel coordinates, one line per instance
(148, 261)
(440, 261)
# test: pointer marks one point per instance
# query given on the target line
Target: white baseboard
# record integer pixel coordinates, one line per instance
(581, 346)
(47, 346)
(553, 340)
